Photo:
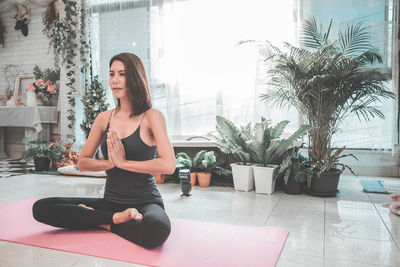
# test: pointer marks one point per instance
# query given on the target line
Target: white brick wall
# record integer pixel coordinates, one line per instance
(26, 52)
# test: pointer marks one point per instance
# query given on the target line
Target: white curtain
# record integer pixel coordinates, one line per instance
(195, 67)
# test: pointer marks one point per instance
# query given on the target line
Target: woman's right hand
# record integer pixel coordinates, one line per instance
(110, 164)
(110, 160)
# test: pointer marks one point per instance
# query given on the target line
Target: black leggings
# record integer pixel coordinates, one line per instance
(151, 232)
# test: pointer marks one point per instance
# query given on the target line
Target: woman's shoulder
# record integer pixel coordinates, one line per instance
(103, 118)
(105, 115)
(154, 114)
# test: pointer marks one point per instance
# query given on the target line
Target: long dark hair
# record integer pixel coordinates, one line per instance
(136, 82)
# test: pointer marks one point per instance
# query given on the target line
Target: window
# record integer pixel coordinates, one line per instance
(197, 70)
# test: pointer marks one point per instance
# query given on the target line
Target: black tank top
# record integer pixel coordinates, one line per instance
(126, 187)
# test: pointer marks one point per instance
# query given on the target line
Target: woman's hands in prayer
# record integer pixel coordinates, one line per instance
(116, 150)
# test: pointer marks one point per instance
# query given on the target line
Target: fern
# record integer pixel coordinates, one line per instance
(37, 72)
(259, 144)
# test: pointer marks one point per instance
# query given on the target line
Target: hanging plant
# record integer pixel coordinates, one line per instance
(57, 35)
(85, 48)
(67, 36)
(50, 16)
(71, 20)
(2, 32)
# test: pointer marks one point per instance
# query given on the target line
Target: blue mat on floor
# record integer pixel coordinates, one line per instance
(373, 186)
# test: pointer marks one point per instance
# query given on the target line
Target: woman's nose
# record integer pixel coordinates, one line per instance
(115, 79)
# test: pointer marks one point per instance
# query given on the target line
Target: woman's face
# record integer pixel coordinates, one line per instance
(117, 80)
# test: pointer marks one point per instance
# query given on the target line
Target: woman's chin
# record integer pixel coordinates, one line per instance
(118, 95)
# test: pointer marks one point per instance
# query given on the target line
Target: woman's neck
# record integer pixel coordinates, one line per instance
(125, 106)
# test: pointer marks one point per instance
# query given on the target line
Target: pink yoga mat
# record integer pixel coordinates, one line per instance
(191, 243)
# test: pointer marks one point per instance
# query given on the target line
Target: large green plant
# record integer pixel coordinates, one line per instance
(259, 144)
(326, 81)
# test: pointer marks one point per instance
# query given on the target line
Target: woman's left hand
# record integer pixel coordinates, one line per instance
(117, 150)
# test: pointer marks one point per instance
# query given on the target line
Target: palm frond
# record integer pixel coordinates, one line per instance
(311, 36)
(354, 40)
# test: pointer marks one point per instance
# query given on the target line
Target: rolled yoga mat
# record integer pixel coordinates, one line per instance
(191, 243)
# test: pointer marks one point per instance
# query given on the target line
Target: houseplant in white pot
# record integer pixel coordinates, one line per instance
(326, 81)
(232, 140)
(266, 148)
(260, 145)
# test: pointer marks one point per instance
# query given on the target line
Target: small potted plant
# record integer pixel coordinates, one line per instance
(205, 164)
(39, 151)
(183, 161)
(293, 169)
(62, 154)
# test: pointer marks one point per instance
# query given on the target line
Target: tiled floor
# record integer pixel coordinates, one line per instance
(349, 230)
(10, 167)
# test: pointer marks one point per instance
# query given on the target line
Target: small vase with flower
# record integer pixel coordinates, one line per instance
(43, 91)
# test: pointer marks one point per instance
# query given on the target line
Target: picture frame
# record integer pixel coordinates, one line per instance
(21, 87)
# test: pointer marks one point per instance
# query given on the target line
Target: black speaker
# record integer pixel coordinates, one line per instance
(184, 178)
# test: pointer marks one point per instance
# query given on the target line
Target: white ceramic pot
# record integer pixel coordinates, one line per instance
(243, 177)
(264, 179)
(31, 99)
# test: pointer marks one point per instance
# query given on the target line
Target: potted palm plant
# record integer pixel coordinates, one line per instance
(326, 81)
(184, 161)
(205, 163)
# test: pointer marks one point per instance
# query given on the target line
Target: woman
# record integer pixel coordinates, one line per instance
(132, 206)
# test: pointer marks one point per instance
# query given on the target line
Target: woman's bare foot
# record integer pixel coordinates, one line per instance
(104, 226)
(126, 215)
(395, 208)
(395, 197)
(86, 207)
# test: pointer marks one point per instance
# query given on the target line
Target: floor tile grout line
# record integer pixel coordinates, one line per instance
(276, 204)
(387, 228)
(323, 246)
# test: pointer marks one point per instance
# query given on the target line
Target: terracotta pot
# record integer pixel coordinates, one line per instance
(193, 177)
(160, 178)
(204, 178)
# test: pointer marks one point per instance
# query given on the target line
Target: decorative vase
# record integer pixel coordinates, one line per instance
(31, 100)
(243, 177)
(326, 185)
(193, 176)
(204, 179)
(41, 164)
